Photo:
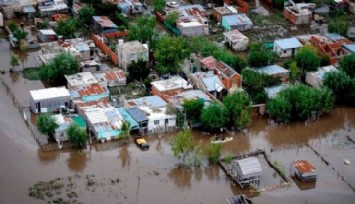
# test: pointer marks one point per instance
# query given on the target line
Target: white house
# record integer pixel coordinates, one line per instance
(315, 79)
(236, 40)
(47, 100)
(131, 51)
(287, 47)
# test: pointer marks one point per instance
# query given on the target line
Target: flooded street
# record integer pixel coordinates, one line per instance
(152, 176)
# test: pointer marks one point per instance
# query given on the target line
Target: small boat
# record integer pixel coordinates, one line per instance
(227, 139)
(347, 162)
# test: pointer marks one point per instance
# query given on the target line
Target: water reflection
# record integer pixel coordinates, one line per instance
(77, 161)
(125, 156)
(14, 77)
(181, 177)
(47, 157)
(212, 172)
(198, 174)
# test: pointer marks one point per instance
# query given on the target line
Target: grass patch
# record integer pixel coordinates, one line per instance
(31, 74)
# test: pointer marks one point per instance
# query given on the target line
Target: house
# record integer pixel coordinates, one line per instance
(315, 79)
(236, 40)
(219, 12)
(246, 171)
(64, 122)
(297, 14)
(90, 66)
(103, 25)
(48, 100)
(303, 170)
(131, 51)
(110, 78)
(286, 47)
(79, 79)
(273, 91)
(151, 113)
(28, 10)
(192, 20)
(238, 21)
(49, 7)
(170, 87)
(133, 124)
(208, 82)
(103, 120)
(47, 35)
(179, 99)
(129, 6)
(229, 77)
(275, 71)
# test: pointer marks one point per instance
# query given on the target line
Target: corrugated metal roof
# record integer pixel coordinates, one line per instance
(213, 83)
(225, 69)
(273, 91)
(249, 166)
(209, 62)
(104, 21)
(235, 36)
(334, 36)
(174, 82)
(237, 19)
(350, 48)
(150, 101)
(288, 43)
(127, 117)
(271, 69)
(137, 115)
(47, 32)
(28, 9)
(303, 166)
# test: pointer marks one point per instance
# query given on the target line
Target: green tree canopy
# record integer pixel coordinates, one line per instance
(170, 53)
(158, 5)
(171, 18)
(85, 14)
(342, 86)
(143, 30)
(213, 152)
(62, 64)
(279, 109)
(67, 28)
(14, 61)
(214, 117)
(46, 124)
(239, 108)
(77, 136)
(125, 130)
(138, 70)
(193, 108)
(182, 145)
(121, 21)
(340, 25)
(348, 65)
(259, 56)
(307, 59)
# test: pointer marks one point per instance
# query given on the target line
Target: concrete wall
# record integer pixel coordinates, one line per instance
(51, 104)
(284, 53)
(191, 30)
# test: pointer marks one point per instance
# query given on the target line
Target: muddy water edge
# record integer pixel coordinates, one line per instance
(121, 173)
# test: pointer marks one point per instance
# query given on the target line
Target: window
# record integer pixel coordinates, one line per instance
(285, 51)
(156, 122)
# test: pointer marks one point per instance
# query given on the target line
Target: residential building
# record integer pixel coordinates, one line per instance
(304, 170)
(49, 7)
(238, 21)
(103, 25)
(219, 12)
(103, 120)
(170, 87)
(208, 82)
(275, 71)
(236, 40)
(60, 134)
(128, 6)
(247, 171)
(197, 94)
(131, 51)
(111, 78)
(152, 114)
(48, 100)
(297, 14)
(192, 20)
(229, 77)
(47, 35)
(315, 79)
(286, 47)
(80, 79)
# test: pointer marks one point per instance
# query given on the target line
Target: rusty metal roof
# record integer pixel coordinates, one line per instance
(303, 166)
(209, 62)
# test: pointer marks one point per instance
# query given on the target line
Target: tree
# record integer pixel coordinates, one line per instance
(213, 152)
(138, 70)
(121, 21)
(193, 108)
(46, 124)
(214, 117)
(182, 145)
(158, 5)
(21, 35)
(279, 109)
(348, 65)
(295, 71)
(279, 4)
(171, 18)
(77, 136)
(85, 14)
(259, 56)
(340, 25)
(143, 30)
(170, 53)
(125, 129)
(342, 86)
(239, 108)
(67, 28)
(62, 64)
(307, 59)
(180, 119)
(14, 61)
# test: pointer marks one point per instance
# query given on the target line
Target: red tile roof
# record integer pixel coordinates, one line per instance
(90, 90)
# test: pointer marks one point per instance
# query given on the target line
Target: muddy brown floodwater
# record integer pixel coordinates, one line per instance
(152, 176)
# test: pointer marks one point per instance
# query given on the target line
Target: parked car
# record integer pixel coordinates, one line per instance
(142, 143)
(172, 4)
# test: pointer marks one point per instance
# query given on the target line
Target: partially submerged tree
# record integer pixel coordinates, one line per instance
(77, 136)
(182, 145)
(14, 60)
(46, 124)
(214, 117)
(193, 108)
(307, 59)
(62, 64)
(125, 130)
(342, 86)
(279, 109)
(213, 152)
(239, 108)
(138, 70)
(170, 52)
